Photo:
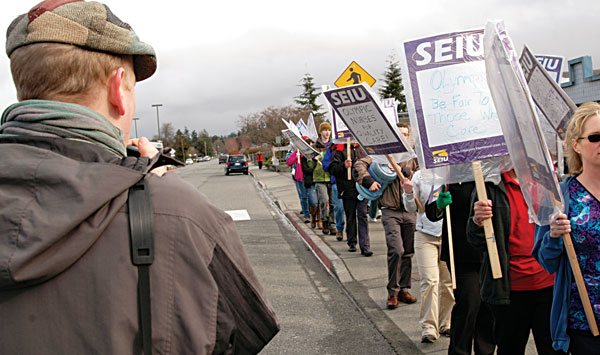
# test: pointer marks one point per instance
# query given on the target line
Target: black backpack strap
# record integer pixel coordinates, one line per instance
(142, 254)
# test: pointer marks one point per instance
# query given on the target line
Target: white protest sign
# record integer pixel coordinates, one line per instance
(390, 109)
(312, 128)
(523, 133)
(556, 106)
(302, 128)
(304, 148)
(363, 114)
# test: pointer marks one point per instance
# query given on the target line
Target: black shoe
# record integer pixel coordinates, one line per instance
(366, 252)
(352, 249)
(428, 339)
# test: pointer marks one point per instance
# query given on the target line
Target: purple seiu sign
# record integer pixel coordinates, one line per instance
(364, 115)
(456, 118)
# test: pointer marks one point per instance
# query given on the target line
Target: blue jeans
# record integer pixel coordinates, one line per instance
(303, 196)
(338, 208)
(313, 199)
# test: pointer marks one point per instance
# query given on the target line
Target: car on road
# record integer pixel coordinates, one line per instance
(223, 158)
(236, 164)
(189, 161)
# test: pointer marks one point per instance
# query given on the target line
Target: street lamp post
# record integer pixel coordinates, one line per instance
(135, 119)
(157, 118)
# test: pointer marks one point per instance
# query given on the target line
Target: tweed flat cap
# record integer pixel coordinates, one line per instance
(86, 24)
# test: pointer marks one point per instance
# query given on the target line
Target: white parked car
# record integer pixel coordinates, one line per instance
(189, 161)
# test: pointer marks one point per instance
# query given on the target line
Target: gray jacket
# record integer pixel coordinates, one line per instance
(67, 283)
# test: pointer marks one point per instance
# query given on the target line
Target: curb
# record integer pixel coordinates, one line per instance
(328, 257)
(332, 262)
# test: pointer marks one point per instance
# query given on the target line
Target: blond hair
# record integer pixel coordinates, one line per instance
(574, 132)
(53, 71)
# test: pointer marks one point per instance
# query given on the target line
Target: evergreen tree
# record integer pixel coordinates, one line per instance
(392, 86)
(308, 98)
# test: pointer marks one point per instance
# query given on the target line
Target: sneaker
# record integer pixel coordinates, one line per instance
(352, 248)
(366, 252)
(445, 332)
(392, 302)
(372, 219)
(306, 219)
(428, 338)
(339, 236)
(406, 297)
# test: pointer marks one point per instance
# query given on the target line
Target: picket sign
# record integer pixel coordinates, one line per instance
(490, 239)
(349, 157)
(585, 299)
(450, 247)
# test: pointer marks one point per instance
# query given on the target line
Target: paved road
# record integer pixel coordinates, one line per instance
(316, 314)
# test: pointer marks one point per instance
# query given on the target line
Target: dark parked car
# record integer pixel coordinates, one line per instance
(236, 164)
(223, 158)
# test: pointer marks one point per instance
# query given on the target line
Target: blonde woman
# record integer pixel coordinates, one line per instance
(581, 217)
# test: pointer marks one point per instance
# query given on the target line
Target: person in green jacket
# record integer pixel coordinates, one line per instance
(322, 183)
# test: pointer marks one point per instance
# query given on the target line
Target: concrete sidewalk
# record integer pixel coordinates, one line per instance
(364, 278)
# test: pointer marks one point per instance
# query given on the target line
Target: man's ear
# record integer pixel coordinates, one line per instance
(116, 83)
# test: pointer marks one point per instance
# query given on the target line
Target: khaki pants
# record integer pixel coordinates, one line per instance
(437, 298)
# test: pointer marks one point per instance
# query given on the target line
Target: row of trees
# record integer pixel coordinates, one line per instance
(260, 130)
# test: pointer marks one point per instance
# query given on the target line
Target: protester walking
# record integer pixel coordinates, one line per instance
(74, 278)
(335, 200)
(521, 298)
(436, 293)
(569, 327)
(321, 181)
(399, 227)
(355, 210)
(293, 161)
(472, 320)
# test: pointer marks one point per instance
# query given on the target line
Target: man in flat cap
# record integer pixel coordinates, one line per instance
(68, 282)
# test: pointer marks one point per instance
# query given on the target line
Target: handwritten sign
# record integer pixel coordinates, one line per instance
(364, 116)
(455, 114)
(556, 106)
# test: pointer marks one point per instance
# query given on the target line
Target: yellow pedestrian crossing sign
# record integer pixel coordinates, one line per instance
(354, 74)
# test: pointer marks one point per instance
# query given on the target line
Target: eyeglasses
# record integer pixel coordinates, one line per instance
(593, 138)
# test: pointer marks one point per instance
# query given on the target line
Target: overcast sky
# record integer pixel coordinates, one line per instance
(218, 60)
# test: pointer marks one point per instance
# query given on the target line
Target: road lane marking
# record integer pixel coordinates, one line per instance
(239, 215)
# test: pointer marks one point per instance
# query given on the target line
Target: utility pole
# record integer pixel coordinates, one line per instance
(205, 148)
(135, 119)
(157, 119)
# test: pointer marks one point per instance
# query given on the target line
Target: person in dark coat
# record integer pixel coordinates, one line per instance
(471, 321)
(355, 210)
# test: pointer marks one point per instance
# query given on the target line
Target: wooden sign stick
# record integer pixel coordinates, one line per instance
(585, 299)
(398, 171)
(349, 157)
(450, 247)
(490, 239)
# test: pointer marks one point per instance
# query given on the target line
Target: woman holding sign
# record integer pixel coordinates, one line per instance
(521, 299)
(581, 192)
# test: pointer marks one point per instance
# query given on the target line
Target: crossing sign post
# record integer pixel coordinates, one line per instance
(354, 74)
